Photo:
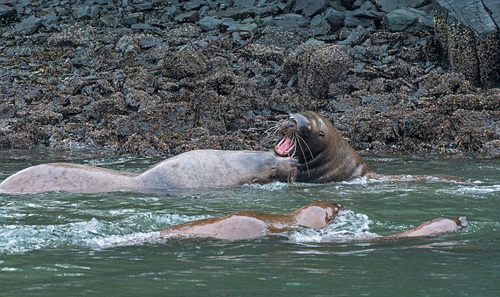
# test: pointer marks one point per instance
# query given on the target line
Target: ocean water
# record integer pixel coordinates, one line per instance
(60, 244)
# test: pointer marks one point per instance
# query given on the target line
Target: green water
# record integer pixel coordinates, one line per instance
(59, 244)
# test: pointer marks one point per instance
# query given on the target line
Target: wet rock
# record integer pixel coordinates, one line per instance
(408, 20)
(309, 8)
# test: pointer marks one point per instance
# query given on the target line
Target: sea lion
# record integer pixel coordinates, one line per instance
(435, 227)
(250, 225)
(325, 156)
(194, 169)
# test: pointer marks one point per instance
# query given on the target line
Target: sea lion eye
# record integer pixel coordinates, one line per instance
(321, 133)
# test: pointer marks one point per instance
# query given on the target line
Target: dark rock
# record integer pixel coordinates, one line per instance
(349, 4)
(111, 19)
(7, 14)
(408, 20)
(289, 21)
(244, 3)
(472, 14)
(28, 26)
(148, 42)
(132, 18)
(390, 5)
(309, 8)
(190, 16)
(193, 5)
(209, 23)
(240, 13)
(252, 27)
(82, 12)
(320, 25)
(335, 18)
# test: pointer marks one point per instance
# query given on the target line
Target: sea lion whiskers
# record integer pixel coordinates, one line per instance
(297, 138)
(271, 131)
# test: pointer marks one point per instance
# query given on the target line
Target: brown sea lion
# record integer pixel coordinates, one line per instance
(194, 169)
(325, 156)
(249, 225)
(435, 227)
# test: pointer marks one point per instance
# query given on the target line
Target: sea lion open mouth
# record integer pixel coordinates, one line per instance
(284, 146)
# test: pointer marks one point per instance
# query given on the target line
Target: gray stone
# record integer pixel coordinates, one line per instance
(28, 26)
(320, 25)
(148, 42)
(335, 18)
(289, 21)
(252, 27)
(244, 3)
(309, 8)
(82, 12)
(481, 16)
(194, 5)
(390, 5)
(132, 18)
(190, 16)
(408, 20)
(111, 19)
(209, 23)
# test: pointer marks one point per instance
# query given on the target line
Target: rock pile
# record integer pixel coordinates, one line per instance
(162, 77)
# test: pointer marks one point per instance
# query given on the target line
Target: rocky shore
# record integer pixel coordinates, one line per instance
(163, 77)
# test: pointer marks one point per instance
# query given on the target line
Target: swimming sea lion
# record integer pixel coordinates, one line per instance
(194, 169)
(435, 227)
(318, 215)
(250, 225)
(325, 156)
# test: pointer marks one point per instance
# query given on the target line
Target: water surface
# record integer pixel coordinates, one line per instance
(55, 244)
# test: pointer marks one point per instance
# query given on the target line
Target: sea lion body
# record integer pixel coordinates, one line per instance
(435, 227)
(250, 225)
(323, 154)
(194, 169)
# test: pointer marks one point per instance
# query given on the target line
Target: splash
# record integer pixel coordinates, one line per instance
(273, 187)
(347, 226)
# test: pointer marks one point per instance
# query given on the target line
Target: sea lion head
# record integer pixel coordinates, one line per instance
(316, 215)
(304, 136)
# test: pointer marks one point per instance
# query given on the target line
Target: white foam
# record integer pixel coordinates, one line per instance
(347, 226)
(274, 186)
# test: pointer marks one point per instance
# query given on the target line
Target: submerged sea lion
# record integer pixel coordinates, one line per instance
(194, 169)
(435, 227)
(249, 225)
(324, 155)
